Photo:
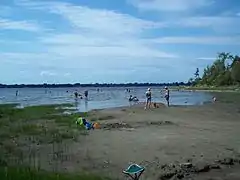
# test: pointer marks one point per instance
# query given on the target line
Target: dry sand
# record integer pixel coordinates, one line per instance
(157, 138)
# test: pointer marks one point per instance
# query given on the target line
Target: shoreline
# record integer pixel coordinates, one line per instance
(72, 105)
(210, 89)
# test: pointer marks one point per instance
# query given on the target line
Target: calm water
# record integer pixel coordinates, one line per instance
(105, 98)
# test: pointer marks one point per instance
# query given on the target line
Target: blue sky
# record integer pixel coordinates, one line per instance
(117, 41)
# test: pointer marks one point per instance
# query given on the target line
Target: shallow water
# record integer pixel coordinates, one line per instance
(104, 98)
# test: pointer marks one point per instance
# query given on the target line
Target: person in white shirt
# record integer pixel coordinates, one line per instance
(149, 98)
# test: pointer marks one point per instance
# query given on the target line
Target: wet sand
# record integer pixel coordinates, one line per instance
(164, 137)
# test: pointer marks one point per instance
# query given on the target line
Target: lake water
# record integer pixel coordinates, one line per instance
(104, 98)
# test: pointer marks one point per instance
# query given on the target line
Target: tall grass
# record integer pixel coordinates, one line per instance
(23, 173)
(23, 131)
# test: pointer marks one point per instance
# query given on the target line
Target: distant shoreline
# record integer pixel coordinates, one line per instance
(96, 85)
(172, 86)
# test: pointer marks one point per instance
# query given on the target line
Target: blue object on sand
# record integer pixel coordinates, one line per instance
(134, 171)
(88, 126)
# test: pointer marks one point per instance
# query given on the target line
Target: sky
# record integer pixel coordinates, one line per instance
(113, 41)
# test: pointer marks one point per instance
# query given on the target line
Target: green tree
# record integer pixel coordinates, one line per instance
(225, 70)
(196, 74)
(235, 69)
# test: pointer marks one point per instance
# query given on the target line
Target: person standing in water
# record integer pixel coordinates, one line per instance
(86, 93)
(16, 92)
(167, 95)
(76, 94)
(149, 98)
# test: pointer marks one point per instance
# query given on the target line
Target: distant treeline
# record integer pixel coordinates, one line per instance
(92, 85)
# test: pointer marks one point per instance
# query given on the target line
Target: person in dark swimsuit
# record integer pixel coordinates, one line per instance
(149, 98)
(167, 95)
(76, 94)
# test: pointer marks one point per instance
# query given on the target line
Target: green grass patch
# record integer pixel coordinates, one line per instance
(8, 105)
(32, 112)
(12, 173)
(41, 124)
(31, 127)
(68, 120)
(59, 135)
(27, 129)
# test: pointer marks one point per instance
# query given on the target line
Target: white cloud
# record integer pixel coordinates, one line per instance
(170, 5)
(101, 52)
(207, 58)
(67, 74)
(76, 45)
(222, 23)
(205, 40)
(29, 59)
(14, 42)
(98, 33)
(209, 21)
(104, 21)
(47, 73)
(94, 20)
(22, 56)
(19, 25)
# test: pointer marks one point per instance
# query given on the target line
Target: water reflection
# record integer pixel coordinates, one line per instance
(76, 103)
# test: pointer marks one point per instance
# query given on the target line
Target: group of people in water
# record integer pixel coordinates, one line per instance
(149, 97)
(76, 94)
(133, 98)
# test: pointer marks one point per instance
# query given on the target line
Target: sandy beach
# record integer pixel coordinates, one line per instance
(200, 135)
(162, 140)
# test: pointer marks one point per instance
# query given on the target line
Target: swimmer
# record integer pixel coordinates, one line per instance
(131, 98)
(80, 96)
